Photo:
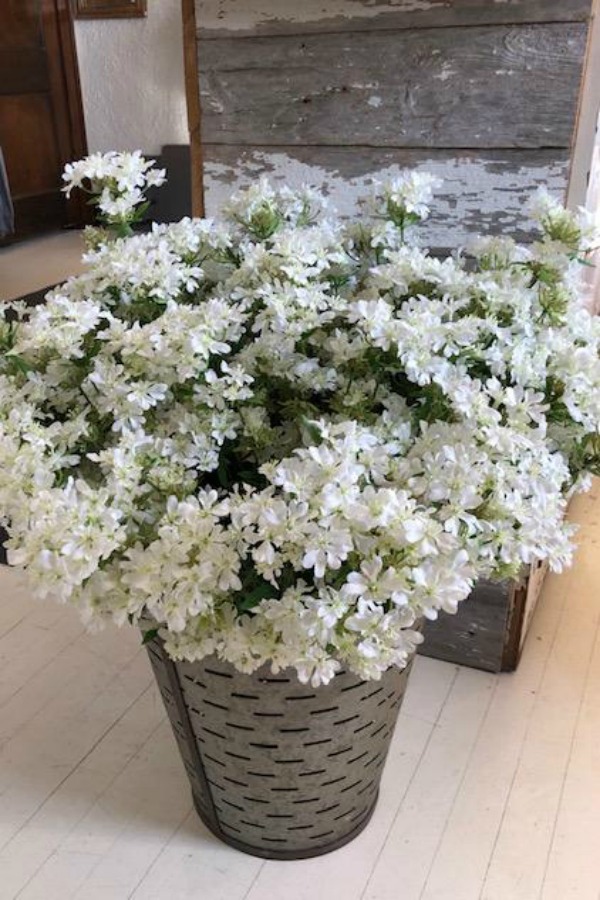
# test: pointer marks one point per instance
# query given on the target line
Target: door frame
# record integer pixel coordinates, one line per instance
(59, 34)
(192, 95)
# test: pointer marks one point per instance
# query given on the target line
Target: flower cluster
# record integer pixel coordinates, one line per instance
(285, 438)
(116, 183)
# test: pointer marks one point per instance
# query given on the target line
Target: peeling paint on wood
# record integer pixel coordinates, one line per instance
(218, 18)
(481, 192)
(483, 87)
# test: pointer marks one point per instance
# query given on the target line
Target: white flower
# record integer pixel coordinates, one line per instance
(411, 192)
(325, 549)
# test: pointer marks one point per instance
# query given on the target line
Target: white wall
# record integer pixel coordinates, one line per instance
(132, 80)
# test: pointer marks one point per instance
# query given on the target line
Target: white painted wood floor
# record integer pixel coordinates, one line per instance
(492, 788)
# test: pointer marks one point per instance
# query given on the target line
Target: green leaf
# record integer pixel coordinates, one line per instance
(313, 431)
(149, 635)
(18, 365)
(250, 599)
(222, 472)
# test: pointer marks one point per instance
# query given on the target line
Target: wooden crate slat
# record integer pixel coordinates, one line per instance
(502, 87)
(477, 634)
(219, 18)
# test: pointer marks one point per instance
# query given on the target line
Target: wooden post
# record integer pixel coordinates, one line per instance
(192, 92)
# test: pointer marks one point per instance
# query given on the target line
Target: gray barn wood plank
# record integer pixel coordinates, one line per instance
(476, 635)
(482, 191)
(443, 87)
(232, 18)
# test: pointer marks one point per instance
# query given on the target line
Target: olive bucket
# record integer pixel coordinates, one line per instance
(279, 769)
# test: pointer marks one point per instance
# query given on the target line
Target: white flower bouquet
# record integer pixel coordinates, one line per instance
(286, 438)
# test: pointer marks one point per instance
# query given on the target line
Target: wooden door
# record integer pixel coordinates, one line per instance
(41, 120)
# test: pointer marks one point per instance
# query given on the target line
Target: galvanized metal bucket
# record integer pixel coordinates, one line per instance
(279, 769)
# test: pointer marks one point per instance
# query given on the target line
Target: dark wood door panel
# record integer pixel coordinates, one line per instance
(20, 23)
(41, 120)
(29, 143)
(40, 212)
(23, 70)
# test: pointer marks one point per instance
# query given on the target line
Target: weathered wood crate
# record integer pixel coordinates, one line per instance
(339, 93)
(489, 629)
